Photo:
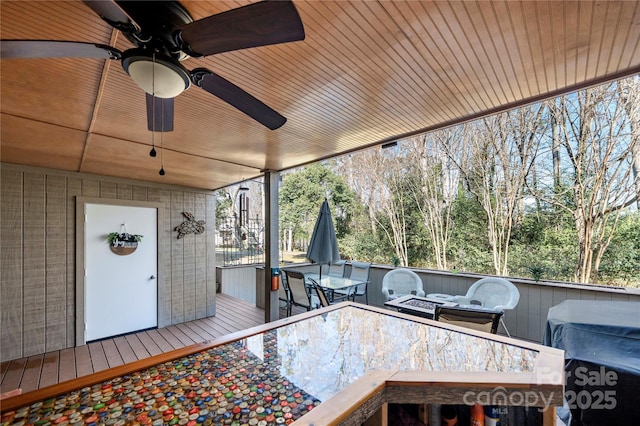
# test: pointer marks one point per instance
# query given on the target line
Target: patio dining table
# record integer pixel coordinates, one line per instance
(329, 282)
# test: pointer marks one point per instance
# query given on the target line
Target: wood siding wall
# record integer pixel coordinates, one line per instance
(37, 291)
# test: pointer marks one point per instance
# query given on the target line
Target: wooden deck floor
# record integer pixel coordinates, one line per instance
(42, 370)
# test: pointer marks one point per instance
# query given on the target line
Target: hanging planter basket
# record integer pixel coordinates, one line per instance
(123, 243)
(123, 251)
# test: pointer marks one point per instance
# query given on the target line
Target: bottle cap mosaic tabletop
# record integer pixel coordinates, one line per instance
(274, 377)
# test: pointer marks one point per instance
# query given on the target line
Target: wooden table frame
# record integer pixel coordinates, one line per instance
(367, 397)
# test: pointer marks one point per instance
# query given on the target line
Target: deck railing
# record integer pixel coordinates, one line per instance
(527, 321)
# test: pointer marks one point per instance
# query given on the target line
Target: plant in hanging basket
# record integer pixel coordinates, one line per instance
(118, 239)
(123, 243)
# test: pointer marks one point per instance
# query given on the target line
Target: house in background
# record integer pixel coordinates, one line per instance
(75, 130)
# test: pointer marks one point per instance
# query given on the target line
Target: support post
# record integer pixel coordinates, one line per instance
(272, 249)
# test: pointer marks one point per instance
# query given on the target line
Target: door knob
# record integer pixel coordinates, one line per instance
(152, 277)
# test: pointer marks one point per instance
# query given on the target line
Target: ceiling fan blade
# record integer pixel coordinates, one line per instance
(160, 115)
(235, 96)
(113, 14)
(56, 49)
(257, 24)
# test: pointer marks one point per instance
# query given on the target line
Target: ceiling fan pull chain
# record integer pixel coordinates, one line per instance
(152, 153)
(161, 172)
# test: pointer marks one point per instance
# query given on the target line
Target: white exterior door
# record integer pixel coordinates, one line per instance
(121, 292)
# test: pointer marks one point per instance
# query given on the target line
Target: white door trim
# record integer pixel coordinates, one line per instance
(81, 203)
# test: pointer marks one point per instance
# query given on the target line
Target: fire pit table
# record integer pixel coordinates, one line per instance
(421, 306)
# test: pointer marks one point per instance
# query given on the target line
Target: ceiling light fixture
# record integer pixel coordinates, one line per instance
(157, 75)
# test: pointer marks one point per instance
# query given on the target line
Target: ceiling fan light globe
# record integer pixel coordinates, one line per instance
(160, 78)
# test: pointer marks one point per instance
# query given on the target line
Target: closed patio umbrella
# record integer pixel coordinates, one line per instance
(323, 247)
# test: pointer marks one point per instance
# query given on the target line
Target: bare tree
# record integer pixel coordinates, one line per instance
(436, 186)
(377, 176)
(555, 117)
(495, 160)
(595, 135)
(630, 96)
(360, 171)
(393, 202)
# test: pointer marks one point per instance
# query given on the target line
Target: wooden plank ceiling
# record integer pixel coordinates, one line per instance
(368, 72)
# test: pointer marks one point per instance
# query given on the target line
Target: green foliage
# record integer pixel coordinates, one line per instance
(621, 262)
(223, 205)
(301, 195)
(415, 232)
(469, 247)
(531, 230)
(363, 246)
(116, 236)
(572, 146)
(537, 272)
(113, 237)
(544, 246)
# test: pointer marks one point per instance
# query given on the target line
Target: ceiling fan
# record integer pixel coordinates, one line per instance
(164, 34)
